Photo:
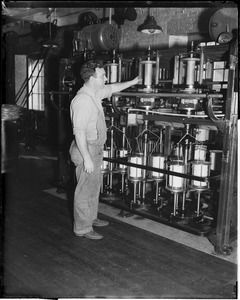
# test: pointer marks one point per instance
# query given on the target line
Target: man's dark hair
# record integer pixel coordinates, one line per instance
(88, 69)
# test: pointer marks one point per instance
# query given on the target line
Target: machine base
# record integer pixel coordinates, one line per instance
(186, 222)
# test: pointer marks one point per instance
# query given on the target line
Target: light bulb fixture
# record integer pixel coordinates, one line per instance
(150, 25)
(51, 26)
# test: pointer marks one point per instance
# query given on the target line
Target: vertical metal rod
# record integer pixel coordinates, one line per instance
(160, 141)
(111, 156)
(201, 67)
(119, 69)
(123, 183)
(161, 202)
(181, 71)
(183, 199)
(186, 151)
(175, 203)
(157, 68)
(198, 203)
(102, 183)
(176, 70)
(139, 187)
(123, 136)
(110, 15)
(134, 192)
(108, 74)
(140, 69)
(156, 199)
(145, 159)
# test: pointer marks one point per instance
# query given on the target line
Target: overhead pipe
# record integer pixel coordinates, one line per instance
(110, 15)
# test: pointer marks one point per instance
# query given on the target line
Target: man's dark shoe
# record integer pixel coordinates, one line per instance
(92, 235)
(100, 223)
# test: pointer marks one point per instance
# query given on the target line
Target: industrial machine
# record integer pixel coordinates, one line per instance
(167, 152)
(164, 151)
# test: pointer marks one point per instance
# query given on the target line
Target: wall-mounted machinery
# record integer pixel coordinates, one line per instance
(97, 37)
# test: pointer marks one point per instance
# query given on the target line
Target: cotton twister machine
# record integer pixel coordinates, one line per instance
(162, 143)
(163, 154)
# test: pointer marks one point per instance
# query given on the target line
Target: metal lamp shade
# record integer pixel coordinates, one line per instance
(150, 26)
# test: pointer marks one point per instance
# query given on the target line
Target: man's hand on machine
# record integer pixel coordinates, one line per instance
(88, 165)
(136, 80)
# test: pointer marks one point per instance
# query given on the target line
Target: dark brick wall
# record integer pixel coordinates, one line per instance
(174, 21)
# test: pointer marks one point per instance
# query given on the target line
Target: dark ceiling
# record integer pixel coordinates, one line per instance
(67, 11)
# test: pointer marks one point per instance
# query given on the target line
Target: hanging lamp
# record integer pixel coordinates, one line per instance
(49, 43)
(150, 25)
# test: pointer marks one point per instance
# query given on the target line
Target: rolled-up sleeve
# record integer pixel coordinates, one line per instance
(80, 114)
(105, 93)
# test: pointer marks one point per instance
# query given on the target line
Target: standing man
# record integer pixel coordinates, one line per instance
(89, 129)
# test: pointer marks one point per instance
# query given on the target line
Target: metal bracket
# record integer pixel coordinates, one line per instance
(220, 124)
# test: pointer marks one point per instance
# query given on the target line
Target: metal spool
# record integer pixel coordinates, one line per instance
(202, 134)
(134, 173)
(157, 161)
(190, 71)
(122, 153)
(175, 183)
(216, 160)
(201, 169)
(200, 152)
(147, 73)
(105, 164)
(112, 72)
(132, 119)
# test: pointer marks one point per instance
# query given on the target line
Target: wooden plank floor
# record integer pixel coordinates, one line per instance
(44, 259)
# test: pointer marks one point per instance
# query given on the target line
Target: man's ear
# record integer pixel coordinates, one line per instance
(91, 78)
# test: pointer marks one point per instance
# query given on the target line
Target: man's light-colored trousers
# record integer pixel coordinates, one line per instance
(86, 196)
